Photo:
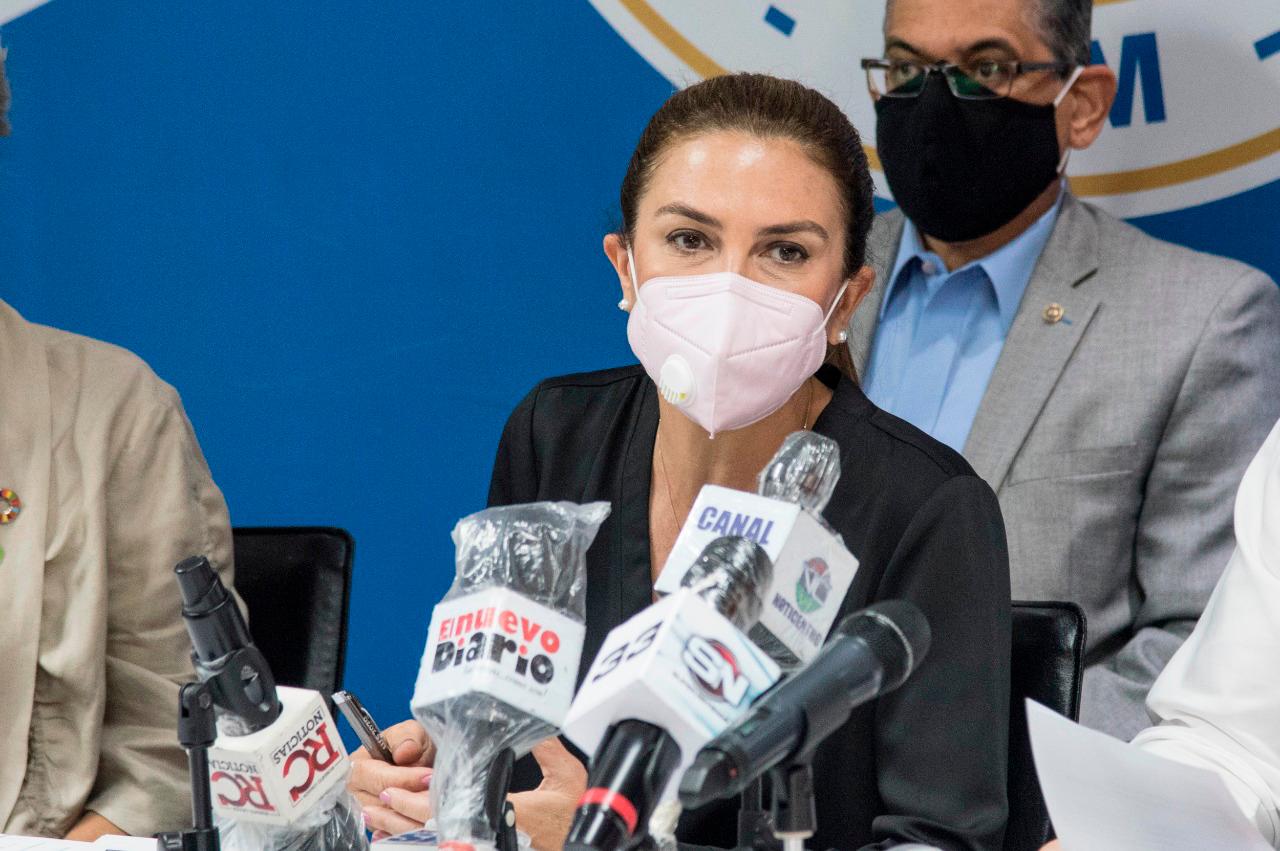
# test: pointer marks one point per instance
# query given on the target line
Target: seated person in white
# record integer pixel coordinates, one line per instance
(1218, 701)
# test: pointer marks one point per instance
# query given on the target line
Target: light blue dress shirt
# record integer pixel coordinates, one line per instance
(940, 333)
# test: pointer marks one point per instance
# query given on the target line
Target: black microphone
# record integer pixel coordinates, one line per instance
(225, 655)
(872, 652)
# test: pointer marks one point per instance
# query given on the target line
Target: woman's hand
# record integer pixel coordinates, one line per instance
(371, 779)
(544, 813)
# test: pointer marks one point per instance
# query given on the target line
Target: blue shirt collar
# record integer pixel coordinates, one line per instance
(1008, 268)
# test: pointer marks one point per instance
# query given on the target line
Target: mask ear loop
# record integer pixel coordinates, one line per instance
(1071, 81)
(831, 311)
(631, 269)
(635, 285)
(1066, 87)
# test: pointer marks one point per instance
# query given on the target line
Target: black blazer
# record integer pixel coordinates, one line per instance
(926, 763)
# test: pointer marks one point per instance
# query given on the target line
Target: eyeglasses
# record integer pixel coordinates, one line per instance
(984, 79)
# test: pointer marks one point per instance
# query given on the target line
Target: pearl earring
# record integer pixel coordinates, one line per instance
(843, 337)
(624, 304)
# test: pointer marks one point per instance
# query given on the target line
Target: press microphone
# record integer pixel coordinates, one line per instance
(501, 659)
(664, 683)
(277, 768)
(872, 653)
(812, 569)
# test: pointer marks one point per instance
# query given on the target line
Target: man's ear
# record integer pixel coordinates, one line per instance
(1089, 104)
(616, 250)
(859, 285)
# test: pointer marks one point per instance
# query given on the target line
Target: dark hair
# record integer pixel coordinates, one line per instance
(4, 98)
(1065, 26)
(770, 108)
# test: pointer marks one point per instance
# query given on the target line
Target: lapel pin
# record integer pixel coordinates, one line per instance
(1053, 314)
(10, 506)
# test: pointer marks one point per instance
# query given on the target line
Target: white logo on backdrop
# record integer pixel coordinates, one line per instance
(10, 9)
(1195, 120)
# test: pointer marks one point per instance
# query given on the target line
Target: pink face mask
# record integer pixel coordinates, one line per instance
(726, 350)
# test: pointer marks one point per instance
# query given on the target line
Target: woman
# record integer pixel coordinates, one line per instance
(746, 208)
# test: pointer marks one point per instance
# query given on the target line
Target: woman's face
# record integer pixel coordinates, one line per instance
(729, 201)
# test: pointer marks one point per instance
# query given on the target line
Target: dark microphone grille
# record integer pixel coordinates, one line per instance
(897, 633)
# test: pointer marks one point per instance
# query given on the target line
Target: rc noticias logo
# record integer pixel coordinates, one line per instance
(1194, 119)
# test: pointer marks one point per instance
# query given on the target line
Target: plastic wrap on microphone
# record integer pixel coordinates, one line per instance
(805, 470)
(503, 649)
(812, 569)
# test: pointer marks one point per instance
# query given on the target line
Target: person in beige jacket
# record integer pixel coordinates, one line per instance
(110, 490)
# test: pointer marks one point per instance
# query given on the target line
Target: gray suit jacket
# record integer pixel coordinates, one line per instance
(1115, 437)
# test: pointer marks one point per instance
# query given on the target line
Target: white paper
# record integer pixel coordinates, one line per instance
(104, 843)
(126, 843)
(1106, 795)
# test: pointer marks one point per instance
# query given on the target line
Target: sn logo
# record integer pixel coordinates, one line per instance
(245, 791)
(317, 754)
(716, 669)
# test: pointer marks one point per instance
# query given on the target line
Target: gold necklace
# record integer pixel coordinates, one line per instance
(662, 458)
(666, 479)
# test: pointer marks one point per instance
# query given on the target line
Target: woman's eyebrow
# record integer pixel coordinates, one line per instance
(689, 213)
(802, 226)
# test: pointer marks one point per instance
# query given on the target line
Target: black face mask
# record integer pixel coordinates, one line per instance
(961, 169)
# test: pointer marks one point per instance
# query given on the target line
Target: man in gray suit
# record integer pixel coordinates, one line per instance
(1110, 387)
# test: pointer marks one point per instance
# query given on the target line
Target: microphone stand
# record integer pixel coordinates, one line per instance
(755, 825)
(794, 812)
(792, 816)
(197, 728)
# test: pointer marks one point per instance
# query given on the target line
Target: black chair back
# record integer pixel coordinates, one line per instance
(1047, 665)
(296, 582)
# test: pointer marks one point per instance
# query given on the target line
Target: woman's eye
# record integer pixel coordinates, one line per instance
(788, 253)
(687, 240)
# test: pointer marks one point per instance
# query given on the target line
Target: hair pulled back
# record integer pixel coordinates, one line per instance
(769, 108)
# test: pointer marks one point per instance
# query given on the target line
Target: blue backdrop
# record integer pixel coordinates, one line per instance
(352, 240)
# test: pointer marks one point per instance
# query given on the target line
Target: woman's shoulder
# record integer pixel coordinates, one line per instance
(582, 398)
(888, 446)
(571, 429)
(925, 454)
(583, 406)
(594, 384)
(894, 474)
